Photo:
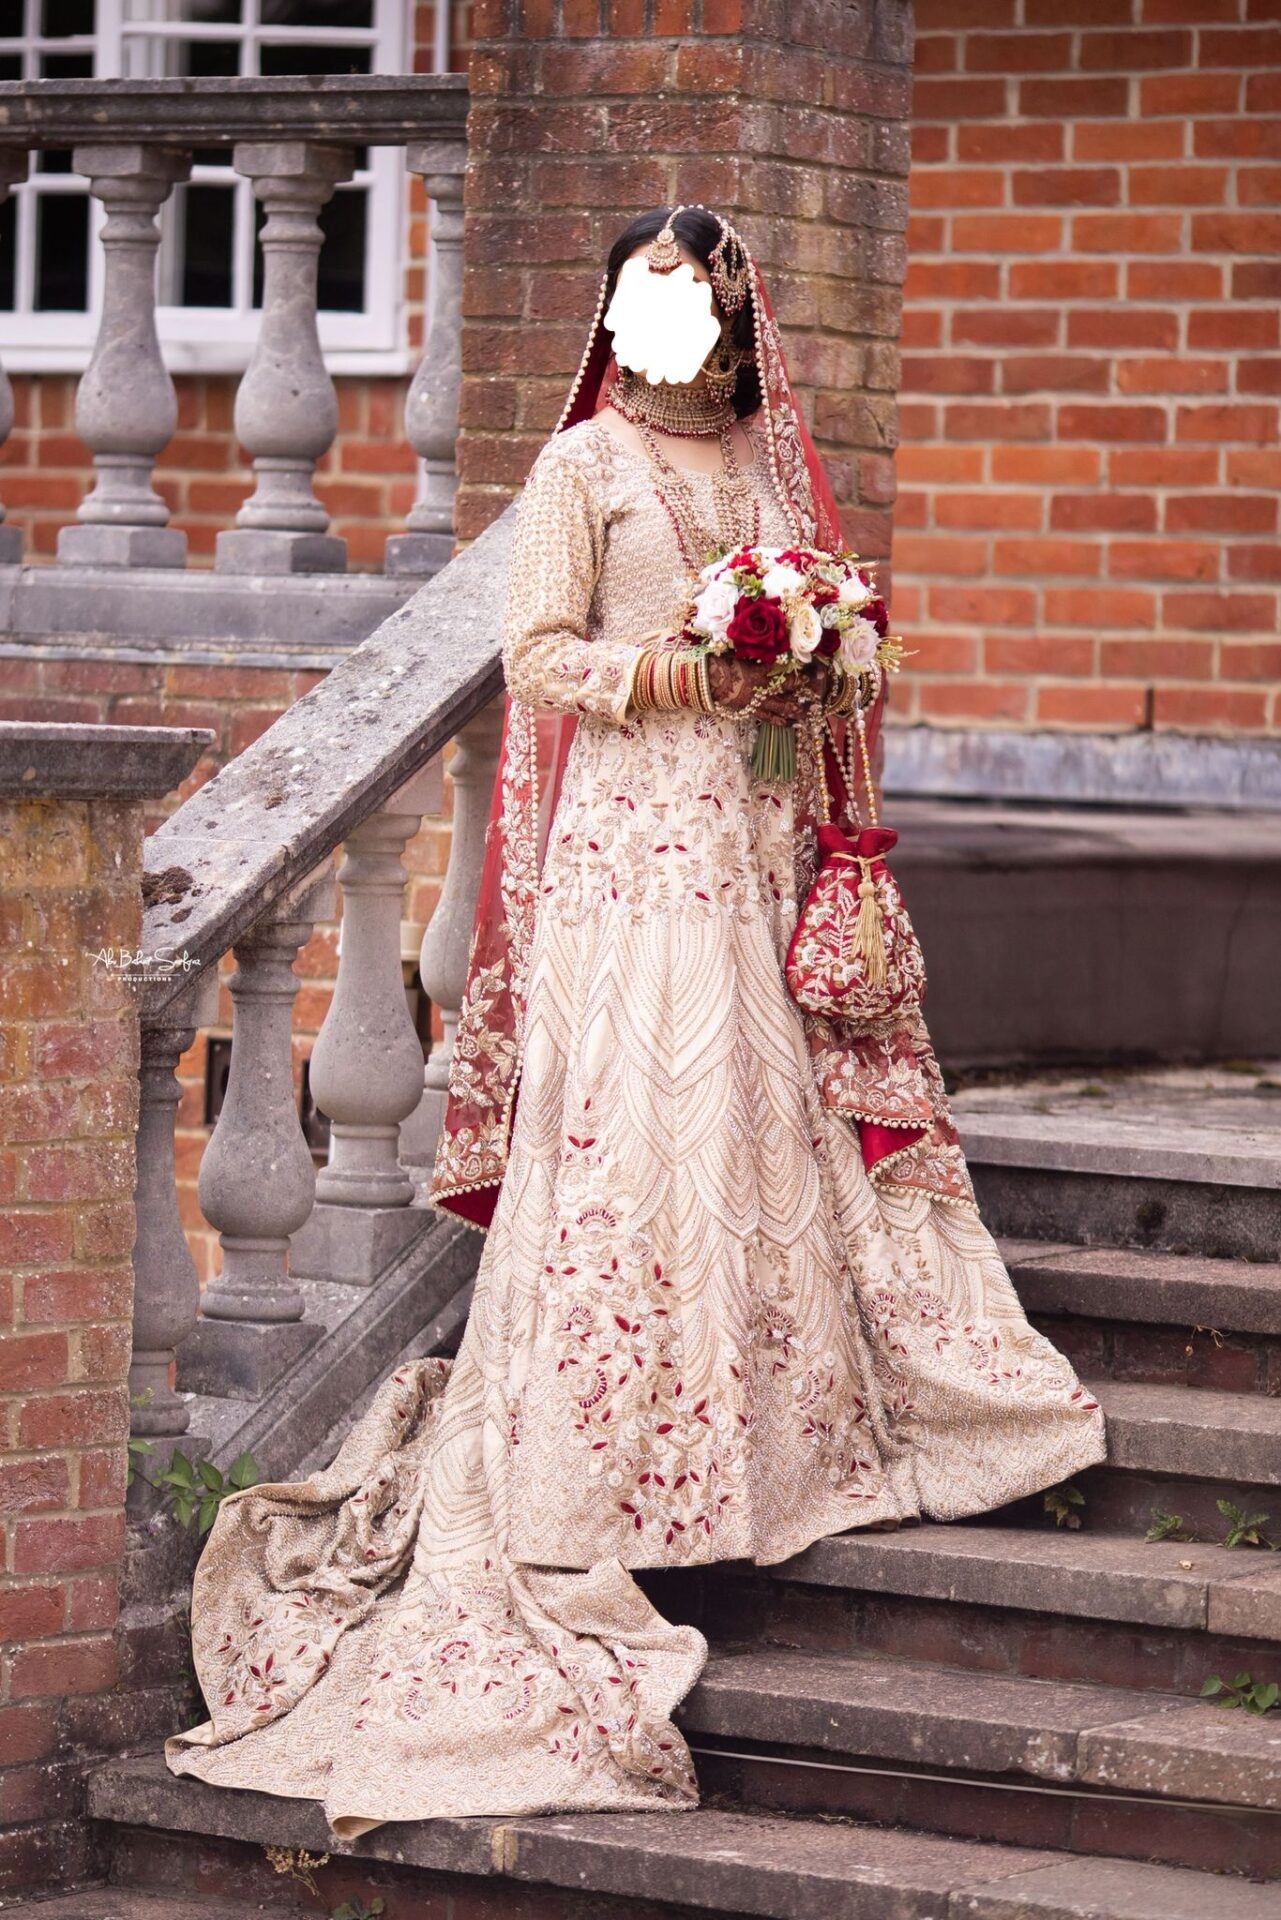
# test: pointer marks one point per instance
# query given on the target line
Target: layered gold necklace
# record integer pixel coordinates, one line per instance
(692, 413)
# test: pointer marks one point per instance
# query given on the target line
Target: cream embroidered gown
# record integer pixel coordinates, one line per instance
(699, 1331)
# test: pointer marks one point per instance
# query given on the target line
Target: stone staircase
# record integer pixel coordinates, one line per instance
(999, 1719)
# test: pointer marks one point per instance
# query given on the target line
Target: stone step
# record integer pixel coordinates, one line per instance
(1158, 1289)
(1181, 1161)
(1082, 1575)
(133, 1903)
(1161, 1318)
(943, 1718)
(1192, 1433)
(707, 1859)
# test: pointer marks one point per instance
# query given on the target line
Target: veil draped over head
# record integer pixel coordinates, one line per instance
(485, 1066)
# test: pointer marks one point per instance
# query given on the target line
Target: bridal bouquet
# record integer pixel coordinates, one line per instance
(782, 607)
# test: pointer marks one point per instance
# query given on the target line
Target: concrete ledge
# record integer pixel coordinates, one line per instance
(1058, 934)
(1166, 770)
(60, 760)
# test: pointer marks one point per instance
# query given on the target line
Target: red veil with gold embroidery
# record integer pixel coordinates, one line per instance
(888, 1084)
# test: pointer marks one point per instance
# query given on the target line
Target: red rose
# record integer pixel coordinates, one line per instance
(829, 644)
(758, 630)
(880, 619)
(822, 593)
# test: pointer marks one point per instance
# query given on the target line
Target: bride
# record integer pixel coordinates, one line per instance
(735, 1294)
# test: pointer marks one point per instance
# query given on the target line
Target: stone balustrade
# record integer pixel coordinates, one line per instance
(295, 140)
(246, 864)
(337, 786)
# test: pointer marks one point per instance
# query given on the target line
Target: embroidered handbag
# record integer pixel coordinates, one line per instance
(854, 956)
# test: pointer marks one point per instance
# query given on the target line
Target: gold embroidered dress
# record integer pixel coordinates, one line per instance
(700, 1331)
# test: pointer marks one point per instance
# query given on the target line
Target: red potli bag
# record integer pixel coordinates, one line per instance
(854, 956)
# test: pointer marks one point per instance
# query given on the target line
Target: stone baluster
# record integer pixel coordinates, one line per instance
(126, 407)
(166, 1286)
(447, 941)
(431, 409)
(367, 1063)
(257, 1180)
(13, 168)
(286, 405)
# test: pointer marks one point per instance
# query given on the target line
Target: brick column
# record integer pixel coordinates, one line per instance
(791, 120)
(71, 805)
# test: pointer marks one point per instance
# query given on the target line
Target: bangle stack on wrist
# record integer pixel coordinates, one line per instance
(668, 678)
(848, 690)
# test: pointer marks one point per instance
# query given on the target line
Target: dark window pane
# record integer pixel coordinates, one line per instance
(317, 13)
(208, 217)
(62, 252)
(66, 66)
(211, 157)
(11, 22)
(61, 17)
(58, 161)
(206, 59)
(213, 13)
(10, 66)
(341, 280)
(8, 242)
(342, 258)
(274, 61)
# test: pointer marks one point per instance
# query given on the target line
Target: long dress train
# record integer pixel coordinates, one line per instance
(700, 1331)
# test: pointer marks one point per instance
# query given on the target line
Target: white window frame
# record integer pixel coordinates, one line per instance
(220, 339)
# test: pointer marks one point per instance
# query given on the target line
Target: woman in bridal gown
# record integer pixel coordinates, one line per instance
(734, 1293)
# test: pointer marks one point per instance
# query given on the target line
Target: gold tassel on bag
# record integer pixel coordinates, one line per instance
(869, 929)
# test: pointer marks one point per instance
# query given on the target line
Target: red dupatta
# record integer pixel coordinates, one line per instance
(485, 1066)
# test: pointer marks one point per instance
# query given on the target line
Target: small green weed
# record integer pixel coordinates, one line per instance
(359, 1909)
(1244, 1529)
(1063, 1503)
(1168, 1526)
(1256, 1696)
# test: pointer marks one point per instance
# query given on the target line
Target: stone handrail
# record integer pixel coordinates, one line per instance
(280, 808)
(388, 110)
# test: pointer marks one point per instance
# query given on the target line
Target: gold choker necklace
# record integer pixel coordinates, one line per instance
(690, 412)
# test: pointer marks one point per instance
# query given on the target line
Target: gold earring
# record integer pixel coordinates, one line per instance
(720, 369)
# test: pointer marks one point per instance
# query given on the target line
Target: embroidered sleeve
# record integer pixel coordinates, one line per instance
(557, 551)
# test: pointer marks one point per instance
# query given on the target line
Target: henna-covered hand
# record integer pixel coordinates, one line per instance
(736, 682)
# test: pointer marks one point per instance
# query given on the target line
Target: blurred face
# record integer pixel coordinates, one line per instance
(664, 324)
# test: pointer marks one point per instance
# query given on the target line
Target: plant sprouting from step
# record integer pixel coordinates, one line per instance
(357, 1909)
(1168, 1526)
(193, 1490)
(1245, 1529)
(1064, 1504)
(298, 1864)
(1256, 1696)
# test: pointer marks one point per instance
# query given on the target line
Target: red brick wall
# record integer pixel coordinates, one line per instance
(68, 1107)
(790, 119)
(1089, 475)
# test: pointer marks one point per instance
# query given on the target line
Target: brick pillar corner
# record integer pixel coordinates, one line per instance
(793, 122)
(71, 832)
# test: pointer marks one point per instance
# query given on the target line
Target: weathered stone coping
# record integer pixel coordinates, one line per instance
(1126, 769)
(283, 805)
(379, 109)
(59, 760)
(187, 609)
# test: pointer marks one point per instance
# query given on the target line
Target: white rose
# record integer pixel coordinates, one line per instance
(714, 608)
(859, 643)
(805, 631)
(781, 580)
(853, 593)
